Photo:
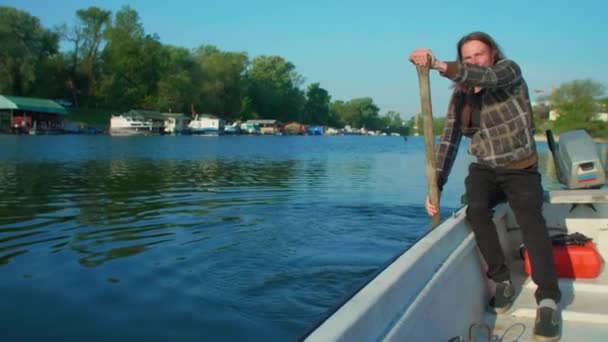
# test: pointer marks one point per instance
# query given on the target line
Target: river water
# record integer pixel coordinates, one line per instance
(186, 238)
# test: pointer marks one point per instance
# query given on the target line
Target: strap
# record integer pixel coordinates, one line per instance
(570, 239)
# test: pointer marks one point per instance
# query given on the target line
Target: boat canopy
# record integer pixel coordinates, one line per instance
(31, 104)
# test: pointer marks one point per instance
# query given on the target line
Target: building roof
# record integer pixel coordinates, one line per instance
(142, 114)
(31, 104)
(175, 115)
(261, 122)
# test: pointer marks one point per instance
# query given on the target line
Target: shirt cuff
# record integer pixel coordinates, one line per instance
(452, 70)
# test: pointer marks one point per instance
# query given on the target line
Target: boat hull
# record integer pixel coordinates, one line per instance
(437, 289)
(129, 131)
(205, 131)
(442, 270)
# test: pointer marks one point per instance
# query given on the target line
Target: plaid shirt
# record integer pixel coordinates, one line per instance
(505, 135)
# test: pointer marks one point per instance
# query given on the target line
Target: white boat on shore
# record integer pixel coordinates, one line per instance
(176, 124)
(124, 125)
(206, 124)
(437, 289)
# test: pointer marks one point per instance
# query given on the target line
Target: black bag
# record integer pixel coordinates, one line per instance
(577, 239)
(570, 239)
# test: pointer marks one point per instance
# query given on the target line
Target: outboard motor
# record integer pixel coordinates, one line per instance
(577, 160)
(581, 172)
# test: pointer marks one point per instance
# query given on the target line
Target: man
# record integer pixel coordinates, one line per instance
(491, 106)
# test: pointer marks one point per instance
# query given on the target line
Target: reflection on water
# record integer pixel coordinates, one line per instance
(107, 210)
(229, 238)
(233, 238)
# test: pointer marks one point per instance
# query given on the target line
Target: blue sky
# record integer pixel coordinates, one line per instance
(359, 48)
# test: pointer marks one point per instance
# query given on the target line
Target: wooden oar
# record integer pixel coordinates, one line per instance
(429, 138)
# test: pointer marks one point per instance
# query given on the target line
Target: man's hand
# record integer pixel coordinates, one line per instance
(430, 209)
(420, 57)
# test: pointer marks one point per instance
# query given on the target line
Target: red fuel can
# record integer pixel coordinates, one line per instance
(573, 261)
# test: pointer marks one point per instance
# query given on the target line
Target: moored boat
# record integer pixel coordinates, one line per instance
(176, 124)
(206, 124)
(437, 289)
(124, 125)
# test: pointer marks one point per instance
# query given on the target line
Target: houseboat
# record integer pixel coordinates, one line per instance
(206, 124)
(250, 128)
(176, 124)
(265, 126)
(126, 125)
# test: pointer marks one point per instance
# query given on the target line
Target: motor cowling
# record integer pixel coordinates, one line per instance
(577, 160)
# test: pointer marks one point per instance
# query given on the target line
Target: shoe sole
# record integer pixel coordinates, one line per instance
(545, 338)
(498, 311)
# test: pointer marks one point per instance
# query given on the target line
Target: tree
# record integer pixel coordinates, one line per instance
(52, 75)
(176, 89)
(220, 80)
(246, 112)
(273, 87)
(392, 123)
(392, 118)
(87, 35)
(358, 113)
(438, 124)
(342, 113)
(133, 63)
(316, 109)
(26, 47)
(577, 103)
(95, 22)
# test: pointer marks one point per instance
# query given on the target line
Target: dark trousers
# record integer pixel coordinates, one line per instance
(485, 188)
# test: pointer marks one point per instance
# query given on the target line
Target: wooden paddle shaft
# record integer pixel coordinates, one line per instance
(429, 138)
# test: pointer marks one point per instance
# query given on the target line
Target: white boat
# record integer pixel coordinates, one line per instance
(437, 289)
(206, 124)
(176, 124)
(124, 125)
(251, 128)
(233, 129)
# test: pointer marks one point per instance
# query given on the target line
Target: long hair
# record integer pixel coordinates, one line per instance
(463, 102)
(485, 38)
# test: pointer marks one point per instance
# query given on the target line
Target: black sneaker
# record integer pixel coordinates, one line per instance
(546, 327)
(503, 298)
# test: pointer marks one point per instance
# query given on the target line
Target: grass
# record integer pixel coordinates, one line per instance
(92, 117)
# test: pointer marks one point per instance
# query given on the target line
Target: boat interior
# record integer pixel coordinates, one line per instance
(584, 303)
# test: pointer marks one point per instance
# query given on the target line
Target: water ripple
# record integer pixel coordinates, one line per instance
(236, 238)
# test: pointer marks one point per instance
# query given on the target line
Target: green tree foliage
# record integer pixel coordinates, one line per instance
(316, 110)
(133, 63)
(114, 63)
(438, 124)
(577, 103)
(273, 87)
(604, 104)
(358, 113)
(86, 69)
(246, 112)
(220, 81)
(52, 75)
(393, 123)
(26, 48)
(176, 89)
(392, 118)
(87, 37)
